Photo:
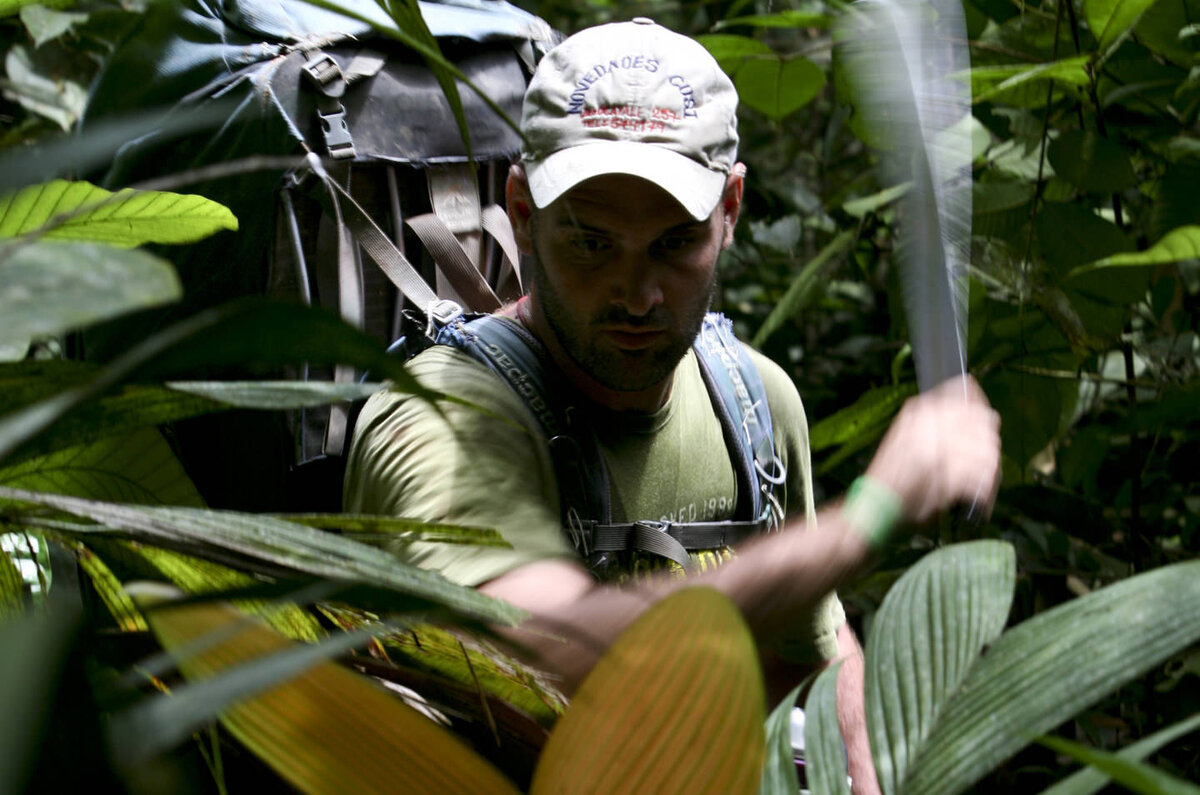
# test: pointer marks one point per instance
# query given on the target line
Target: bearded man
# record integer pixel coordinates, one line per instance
(627, 191)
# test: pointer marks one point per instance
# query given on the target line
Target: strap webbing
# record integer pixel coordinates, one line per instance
(496, 224)
(453, 261)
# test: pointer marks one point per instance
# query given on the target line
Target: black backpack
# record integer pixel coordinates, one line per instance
(386, 167)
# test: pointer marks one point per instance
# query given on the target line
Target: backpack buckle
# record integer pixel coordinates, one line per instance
(337, 134)
(443, 312)
(325, 74)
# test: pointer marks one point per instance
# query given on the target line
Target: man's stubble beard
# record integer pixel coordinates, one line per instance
(623, 372)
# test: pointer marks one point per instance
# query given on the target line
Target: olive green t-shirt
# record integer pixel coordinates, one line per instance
(489, 466)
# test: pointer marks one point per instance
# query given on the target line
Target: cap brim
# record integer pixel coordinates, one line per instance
(695, 187)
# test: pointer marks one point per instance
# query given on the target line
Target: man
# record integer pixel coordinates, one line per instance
(627, 192)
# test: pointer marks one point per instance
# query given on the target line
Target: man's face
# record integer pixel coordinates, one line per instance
(623, 277)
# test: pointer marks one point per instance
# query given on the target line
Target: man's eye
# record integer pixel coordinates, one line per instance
(675, 242)
(588, 245)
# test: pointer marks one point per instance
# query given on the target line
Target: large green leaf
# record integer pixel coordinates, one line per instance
(866, 415)
(777, 86)
(928, 634)
(991, 82)
(264, 543)
(237, 333)
(1091, 780)
(45, 24)
(81, 211)
(675, 706)
(824, 753)
(325, 730)
(1134, 776)
(803, 287)
(1091, 162)
(779, 767)
(1111, 19)
(1052, 666)
(1176, 246)
(51, 288)
(731, 52)
(10, 7)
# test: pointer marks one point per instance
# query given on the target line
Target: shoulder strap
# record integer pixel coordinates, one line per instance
(740, 401)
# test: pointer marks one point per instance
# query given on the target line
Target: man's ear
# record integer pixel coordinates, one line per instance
(731, 201)
(520, 207)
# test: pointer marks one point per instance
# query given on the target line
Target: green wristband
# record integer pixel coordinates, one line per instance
(872, 509)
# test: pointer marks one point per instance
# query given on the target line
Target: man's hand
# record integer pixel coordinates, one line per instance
(942, 449)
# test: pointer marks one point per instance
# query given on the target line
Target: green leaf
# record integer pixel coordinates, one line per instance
(874, 408)
(1176, 246)
(10, 7)
(263, 543)
(369, 528)
(731, 52)
(1112, 19)
(929, 632)
(778, 86)
(779, 767)
(990, 82)
(824, 754)
(327, 729)
(12, 589)
(1134, 776)
(82, 211)
(1054, 665)
(52, 288)
(1090, 162)
(139, 467)
(275, 395)
(859, 208)
(803, 287)
(1091, 780)
(237, 333)
(814, 16)
(59, 100)
(45, 24)
(675, 706)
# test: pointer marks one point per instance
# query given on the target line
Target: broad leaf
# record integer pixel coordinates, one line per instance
(873, 409)
(731, 52)
(1111, 19)
(1091, 780)
(779, 768)
(777, 86)
(45, 24)
(803, 287)
(989, 82)
(1176, 246)
(59, 100)
(51, 288)
(1054, 665)
(81, 211)
(324, 730)
(375, 529)
(675, 706)
(275, 394)
(263, 543)
(824, 753)
(929, 632)
(10, 7)
(1090, 162)
(1134, 776)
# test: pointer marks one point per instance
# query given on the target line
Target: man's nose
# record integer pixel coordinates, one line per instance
(638, 288)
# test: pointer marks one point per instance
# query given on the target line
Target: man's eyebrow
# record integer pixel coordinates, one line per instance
(576, 225)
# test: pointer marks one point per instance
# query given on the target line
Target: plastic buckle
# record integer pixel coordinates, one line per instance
(337, 134)
(325, 74)
(444, 312)
(651, 524)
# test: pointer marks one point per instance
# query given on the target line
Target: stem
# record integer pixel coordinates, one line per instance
(1134, 542)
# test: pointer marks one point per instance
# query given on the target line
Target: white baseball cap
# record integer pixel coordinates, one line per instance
(631, 98)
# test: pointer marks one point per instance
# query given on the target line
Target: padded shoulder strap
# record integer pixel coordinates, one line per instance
(513, 354)
(740, 401)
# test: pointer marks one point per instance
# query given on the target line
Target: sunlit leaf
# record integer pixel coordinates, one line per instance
(10, 7)
(323, 729)
(45, 24)
(690, 715)
(1111, 19)
(925, 639)
(778, 86)
(1176, 246)
(1091, 780)
(375, 529)
(50, 288)
(1135, 776)
(81, 211)
(989, 82)
(275, 394)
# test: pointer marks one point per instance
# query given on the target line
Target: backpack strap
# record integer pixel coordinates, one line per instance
(740, 400)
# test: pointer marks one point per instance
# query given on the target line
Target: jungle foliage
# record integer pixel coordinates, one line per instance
(1085, 295)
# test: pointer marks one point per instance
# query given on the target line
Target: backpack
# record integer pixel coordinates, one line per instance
(350, 134)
